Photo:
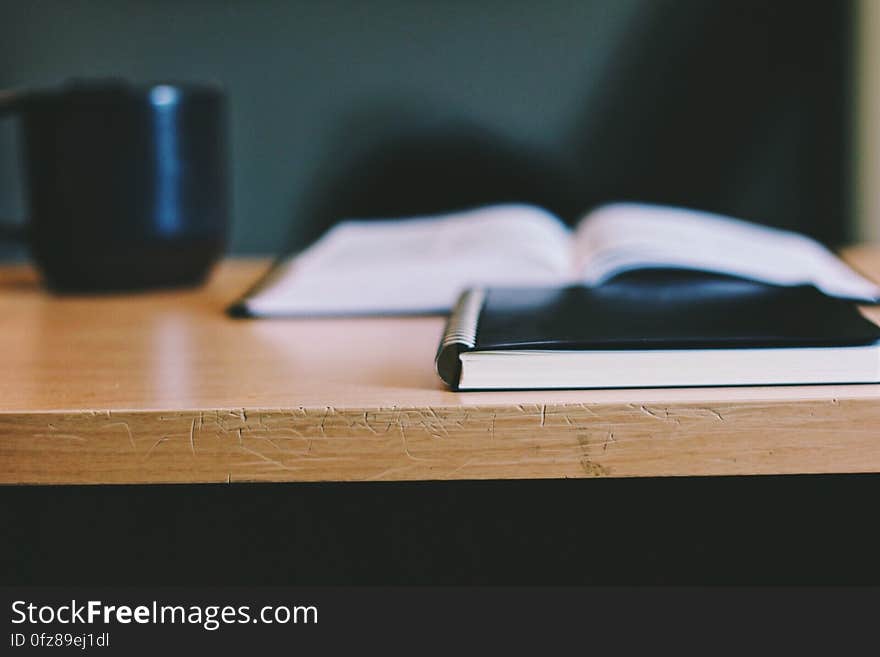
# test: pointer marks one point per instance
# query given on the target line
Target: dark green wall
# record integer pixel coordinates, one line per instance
(339, 107)
(312, 83)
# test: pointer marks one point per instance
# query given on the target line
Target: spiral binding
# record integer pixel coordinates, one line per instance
(460, 334)
(462, 325)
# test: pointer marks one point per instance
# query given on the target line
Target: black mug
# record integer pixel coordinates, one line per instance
(126, 184)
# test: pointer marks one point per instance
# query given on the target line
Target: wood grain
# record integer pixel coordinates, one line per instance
(162, 387)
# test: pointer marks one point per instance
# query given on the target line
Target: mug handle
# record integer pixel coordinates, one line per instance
(9, 104)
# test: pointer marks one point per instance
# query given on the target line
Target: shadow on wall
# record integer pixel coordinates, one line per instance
(738, 108)
(433, 169)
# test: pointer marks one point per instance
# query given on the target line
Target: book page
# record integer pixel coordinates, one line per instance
(418, 265)
(627, 236)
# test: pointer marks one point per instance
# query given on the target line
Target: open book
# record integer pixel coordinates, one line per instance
(420, 266)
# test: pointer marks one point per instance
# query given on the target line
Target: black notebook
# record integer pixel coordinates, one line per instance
(656, 329)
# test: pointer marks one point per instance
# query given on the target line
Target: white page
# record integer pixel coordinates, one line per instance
(418, 265)
(626, 236)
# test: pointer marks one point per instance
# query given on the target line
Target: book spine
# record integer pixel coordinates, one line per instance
(459, 335)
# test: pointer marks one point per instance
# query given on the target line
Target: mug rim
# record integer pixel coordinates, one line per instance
(108, 88)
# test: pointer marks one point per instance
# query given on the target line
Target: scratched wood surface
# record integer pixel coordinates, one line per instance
(162, 387)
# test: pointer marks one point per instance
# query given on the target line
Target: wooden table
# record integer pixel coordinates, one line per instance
(163, 387)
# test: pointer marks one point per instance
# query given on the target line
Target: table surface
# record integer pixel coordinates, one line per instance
(164, 387)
